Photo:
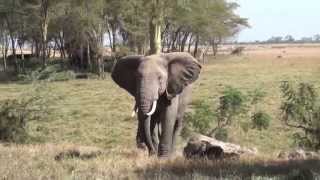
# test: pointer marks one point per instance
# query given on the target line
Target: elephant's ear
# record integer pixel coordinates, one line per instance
(183, 70)
(124, 72)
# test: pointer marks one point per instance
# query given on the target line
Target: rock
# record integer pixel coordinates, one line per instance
(298, 154)
(205, 147)
(312, 155)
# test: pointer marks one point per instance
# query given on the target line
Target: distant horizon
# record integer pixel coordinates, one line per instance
(270, 18)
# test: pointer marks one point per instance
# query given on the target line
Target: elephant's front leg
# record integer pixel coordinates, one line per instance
(141, 138)
(167, 120)
(155, 131)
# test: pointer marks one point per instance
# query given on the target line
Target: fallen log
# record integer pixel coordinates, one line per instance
(201, 146)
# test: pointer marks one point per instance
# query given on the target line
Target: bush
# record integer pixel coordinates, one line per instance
(202, 117)
(53, 72)
(231, 104)
(12, 123)
(300, 109)
(16, 113)
(261, 120)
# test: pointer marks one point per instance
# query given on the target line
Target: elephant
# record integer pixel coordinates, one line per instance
(161, 85)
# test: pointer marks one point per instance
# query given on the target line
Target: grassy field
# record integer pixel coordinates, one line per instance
(92, 123)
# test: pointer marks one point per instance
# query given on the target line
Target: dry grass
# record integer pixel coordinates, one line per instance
(96, 114)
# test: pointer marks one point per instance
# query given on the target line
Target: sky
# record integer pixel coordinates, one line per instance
(299, 18)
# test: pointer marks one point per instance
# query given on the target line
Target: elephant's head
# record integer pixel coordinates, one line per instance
(149, 77)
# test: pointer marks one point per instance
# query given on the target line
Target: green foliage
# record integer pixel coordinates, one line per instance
(300, 109)
(16, 113)
(202, 118)
(231, 104)
(261, 120)
(221, 134)
(53, 72)
(234, 105)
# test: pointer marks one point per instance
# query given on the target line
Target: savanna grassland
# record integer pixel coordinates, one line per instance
(90, 134)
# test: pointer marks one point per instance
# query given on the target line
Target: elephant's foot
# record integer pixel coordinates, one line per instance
(164, 152)
(142, 146)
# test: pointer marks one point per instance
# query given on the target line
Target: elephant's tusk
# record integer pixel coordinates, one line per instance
(135, 111)
(153, 109)
(133, 114)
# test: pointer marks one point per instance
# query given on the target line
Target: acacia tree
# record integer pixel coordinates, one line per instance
(11, 12)
(42, 12)
(206, 22)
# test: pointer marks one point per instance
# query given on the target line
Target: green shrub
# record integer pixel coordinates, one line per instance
(261, 120)
(300, 109)
(231, 104)
(12, 122)
(202, 117)
(16, 113)
(62, 76)
(53, 72)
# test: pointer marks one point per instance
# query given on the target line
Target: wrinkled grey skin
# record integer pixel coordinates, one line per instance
(166, 79)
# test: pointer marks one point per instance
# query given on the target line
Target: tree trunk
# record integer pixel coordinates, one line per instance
(155, 36)
(54, 49)
(174, 39)
(163, 34)
(32, 47)
(44, 43)
(110, 37)
(22, 55)
(190, 43)
(62, 45)
(4, 62)
(155, 28)
(89, 56)
(184, 40)
(3, 58)
(48, 55)
(37, 48)
(44, 30)
(114, 37)
(6, 48)
(196, 46)
(214, 43)
(81, 64)
(13, 46)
